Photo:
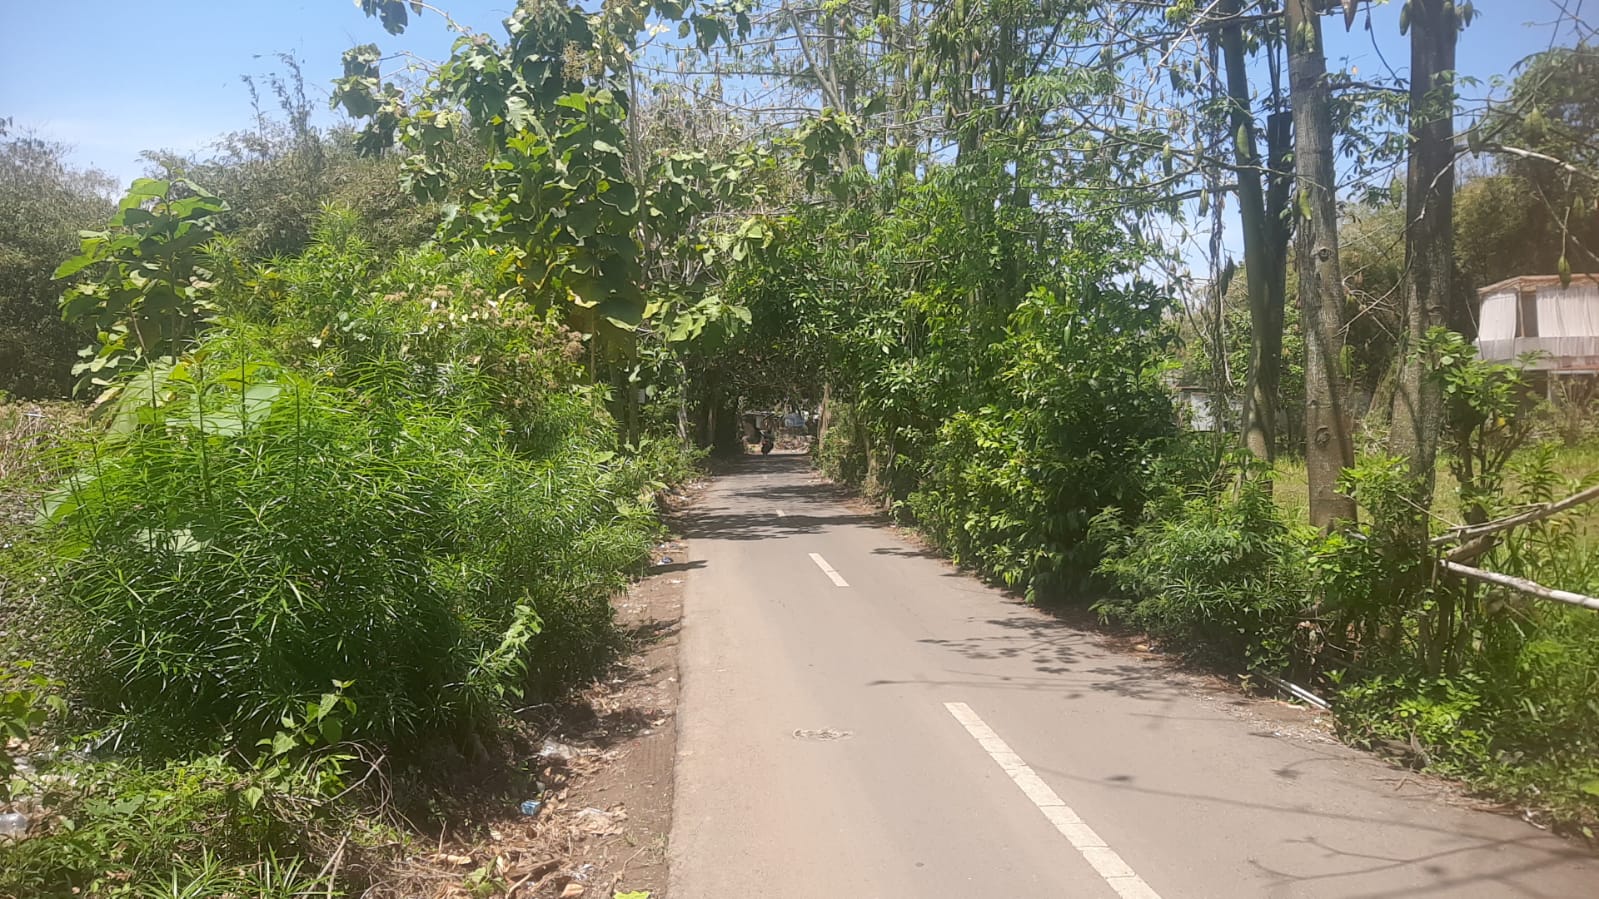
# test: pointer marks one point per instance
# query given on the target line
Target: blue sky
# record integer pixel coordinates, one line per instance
(114, 77)
(1504, 32)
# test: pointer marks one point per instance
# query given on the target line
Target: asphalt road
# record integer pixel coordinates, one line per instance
(858, 720)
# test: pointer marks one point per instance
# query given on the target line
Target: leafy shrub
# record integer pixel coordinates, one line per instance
(1521, 723)
(199, 826)
(1482, 684)
(1423, 714)
(1011, 487)
(1217, 574)
(221, 566)
(149, 295)
(377, 476)
(387, 483)
(23, 708)
(840, 452)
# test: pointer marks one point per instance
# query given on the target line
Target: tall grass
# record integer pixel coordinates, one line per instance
(1573, 462)
(28, 466)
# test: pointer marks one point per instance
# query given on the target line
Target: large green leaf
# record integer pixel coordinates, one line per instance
(74, 265)
(142, 191)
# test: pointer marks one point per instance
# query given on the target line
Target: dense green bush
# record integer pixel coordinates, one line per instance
(43, 205)
(197, 826)
(840, 451)
(1519, 720)
(1213, 571)
(379, 477)
(1012, 486)
(279, 176)
(372, 504)
(1484, 684)
(202, 824)
(222, 565)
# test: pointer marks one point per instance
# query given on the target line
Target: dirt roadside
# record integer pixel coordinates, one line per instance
(614, 811)
(603, 762)
(624, 805)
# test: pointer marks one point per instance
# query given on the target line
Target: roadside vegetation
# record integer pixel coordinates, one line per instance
(324, 455)
(365, 512)
(999, 336)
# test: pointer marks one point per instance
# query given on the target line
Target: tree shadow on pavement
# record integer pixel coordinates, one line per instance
(760, 525)
(1049, 647)
(1076, 657)
(907, 553)
(1536, 851)
(750, 512)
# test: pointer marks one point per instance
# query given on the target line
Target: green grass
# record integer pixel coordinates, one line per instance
(1577, 464)
(29, 435)
(1517, 721)
(27, 432)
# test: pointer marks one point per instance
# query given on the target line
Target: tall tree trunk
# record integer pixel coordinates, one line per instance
(1328, 447)
(1429, 240)
(1265, 345)
(824, 417)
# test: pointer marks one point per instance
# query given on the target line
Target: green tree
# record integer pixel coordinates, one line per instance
(44, 203)
(1501, 230)
(1329, 448)
(148, 293)
(279, 176)
(1537, 212)
(1429, 297)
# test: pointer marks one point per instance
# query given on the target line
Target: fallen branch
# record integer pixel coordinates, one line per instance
(331, 869)
(1521, 585)
(1472, 532)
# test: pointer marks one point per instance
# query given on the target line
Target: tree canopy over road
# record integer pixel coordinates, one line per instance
(382, 415)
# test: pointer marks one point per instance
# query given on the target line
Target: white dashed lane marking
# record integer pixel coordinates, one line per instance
(1104, 860)
(834, 576)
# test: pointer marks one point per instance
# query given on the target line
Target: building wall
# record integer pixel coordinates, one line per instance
(1568, 327)
(1496, 318)
(1197, 409)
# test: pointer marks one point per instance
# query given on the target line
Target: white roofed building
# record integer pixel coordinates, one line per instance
(1535, 314)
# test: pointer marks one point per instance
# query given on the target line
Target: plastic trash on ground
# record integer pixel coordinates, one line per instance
(555, 752)
(13, 826)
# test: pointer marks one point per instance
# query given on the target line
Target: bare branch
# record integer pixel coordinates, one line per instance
(1471, 536)
(1533, 154)
(1520, 585)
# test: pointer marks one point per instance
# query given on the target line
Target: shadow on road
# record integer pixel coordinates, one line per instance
(1442, 881)
(750, 512)
(908, 553)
